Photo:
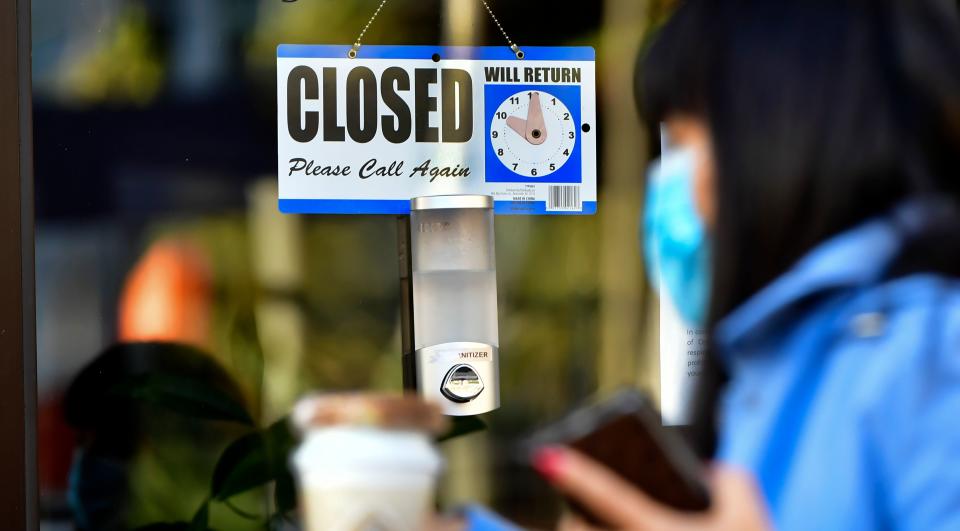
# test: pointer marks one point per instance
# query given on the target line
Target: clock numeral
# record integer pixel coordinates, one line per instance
(566, 152)
(515, 100)
(515, 166)
(502, 115)
(533, 172)
(496, 134)
(554, 100)
(500, 152)
(571, 134)
(553, 167)
(566, 116)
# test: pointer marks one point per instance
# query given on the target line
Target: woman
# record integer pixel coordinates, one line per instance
(814, 172)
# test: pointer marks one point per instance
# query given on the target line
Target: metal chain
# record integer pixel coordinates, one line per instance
(352, 54)
(516, 49)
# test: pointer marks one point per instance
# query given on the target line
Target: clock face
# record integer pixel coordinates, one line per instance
(533, 133)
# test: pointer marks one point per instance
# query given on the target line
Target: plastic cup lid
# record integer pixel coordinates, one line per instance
(382, 410)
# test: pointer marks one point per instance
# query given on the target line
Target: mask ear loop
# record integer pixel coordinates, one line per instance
(664, 138)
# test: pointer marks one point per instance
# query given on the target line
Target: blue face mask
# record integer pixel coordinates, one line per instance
(674, 237)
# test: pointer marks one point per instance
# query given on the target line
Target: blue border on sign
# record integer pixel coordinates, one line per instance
(540, 207)
(400, 206)
(496, 170)
(487, 53)
(345, 206)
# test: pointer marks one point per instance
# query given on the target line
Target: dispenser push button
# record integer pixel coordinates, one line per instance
(461, 384)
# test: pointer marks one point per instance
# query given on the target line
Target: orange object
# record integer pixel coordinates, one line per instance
(167, 296)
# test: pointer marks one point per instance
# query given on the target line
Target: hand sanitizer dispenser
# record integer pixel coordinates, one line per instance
(454, 279)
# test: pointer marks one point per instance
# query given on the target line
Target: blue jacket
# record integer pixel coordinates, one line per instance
(845, 391)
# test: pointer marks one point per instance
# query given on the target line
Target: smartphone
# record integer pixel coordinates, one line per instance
(626, 434)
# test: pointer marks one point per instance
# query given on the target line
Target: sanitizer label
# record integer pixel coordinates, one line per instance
(365, 135)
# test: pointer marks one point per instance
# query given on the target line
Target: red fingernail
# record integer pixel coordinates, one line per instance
(549, 462)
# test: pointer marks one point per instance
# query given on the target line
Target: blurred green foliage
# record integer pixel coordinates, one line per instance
(121, 66)
(186, 421)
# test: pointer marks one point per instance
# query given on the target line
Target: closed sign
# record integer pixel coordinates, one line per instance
(365, 135)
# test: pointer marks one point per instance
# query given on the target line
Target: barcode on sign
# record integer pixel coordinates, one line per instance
(563, 198)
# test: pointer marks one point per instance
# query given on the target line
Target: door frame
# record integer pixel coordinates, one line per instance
(18, 357)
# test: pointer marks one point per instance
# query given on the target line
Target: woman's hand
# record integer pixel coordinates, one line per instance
(736, 505)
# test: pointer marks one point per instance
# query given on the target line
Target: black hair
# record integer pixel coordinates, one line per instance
(823, 114)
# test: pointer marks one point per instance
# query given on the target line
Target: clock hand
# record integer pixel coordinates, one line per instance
(517, 124)
(536, 128)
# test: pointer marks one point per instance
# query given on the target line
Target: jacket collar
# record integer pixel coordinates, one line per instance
(856, 257)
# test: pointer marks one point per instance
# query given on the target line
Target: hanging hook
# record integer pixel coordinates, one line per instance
(516, 49)
(355, 49)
